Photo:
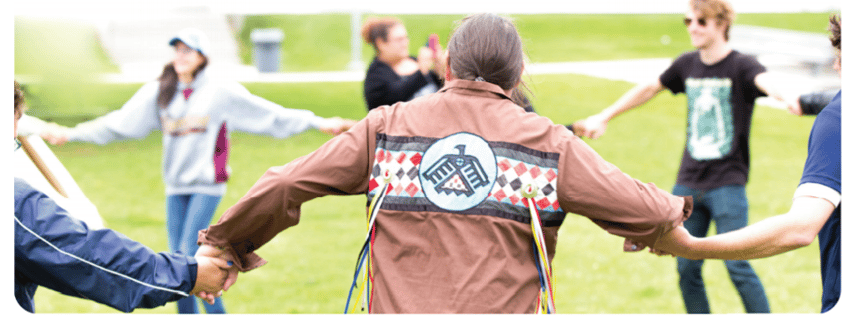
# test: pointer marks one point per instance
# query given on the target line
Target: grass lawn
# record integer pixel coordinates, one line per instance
(547, 38)
(311, 265)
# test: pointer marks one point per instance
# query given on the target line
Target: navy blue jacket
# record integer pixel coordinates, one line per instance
(57, 251)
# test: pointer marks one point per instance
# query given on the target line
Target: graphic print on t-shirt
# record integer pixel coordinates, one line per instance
(710, 128)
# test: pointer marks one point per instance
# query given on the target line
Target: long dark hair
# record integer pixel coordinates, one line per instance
(488, 46)
(168, 83)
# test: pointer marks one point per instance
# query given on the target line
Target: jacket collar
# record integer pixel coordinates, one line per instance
(486, 87)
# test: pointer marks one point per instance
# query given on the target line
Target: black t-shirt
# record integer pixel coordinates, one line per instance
(720, 111)
(383, 86)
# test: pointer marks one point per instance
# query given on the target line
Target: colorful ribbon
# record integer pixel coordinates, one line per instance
(546, 299)
(364, 259)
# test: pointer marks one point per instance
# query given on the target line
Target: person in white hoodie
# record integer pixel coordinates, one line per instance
(195, 113)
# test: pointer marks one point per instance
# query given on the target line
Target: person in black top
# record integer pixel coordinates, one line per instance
(395, 76)
(721, 85)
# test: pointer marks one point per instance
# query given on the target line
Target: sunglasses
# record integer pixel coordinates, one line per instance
(701, 21)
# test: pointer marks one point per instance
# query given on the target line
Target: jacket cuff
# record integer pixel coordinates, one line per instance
(630, 245)
(193, 272)
(242, 260)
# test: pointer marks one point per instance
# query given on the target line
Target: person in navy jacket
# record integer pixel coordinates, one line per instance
(57, 251)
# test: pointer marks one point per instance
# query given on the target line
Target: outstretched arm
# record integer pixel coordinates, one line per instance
(57, 251)
(595, 125)
(771, 84)
(340, 167)
(137, 118)
(772, 236)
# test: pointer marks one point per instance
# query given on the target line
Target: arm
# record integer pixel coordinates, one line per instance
(57, 251)
(770, 84)
(29, 125)
(250, 113)
(339, 167)
(774, 235)
(595, 125)
(135, 119)
(623, 206)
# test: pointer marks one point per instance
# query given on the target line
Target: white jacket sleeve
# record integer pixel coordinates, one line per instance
(29, 125)
(250, 113)
(136, 119)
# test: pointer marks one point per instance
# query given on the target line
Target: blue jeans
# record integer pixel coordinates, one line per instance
(727, 206)
(185, 216)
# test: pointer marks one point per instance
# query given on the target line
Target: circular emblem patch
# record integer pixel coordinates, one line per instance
(457, 172)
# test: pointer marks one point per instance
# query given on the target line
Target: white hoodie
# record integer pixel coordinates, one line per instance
(196, 129)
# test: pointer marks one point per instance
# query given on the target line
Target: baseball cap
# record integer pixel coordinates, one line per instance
(193, 38)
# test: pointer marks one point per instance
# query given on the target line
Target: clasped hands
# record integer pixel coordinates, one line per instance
(216, 273)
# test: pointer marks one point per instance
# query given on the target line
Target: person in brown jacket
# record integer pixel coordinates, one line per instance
(472, 179)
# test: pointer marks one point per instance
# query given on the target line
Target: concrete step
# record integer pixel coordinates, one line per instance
(139, 44)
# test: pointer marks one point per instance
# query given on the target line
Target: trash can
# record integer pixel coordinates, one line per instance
(267, 49)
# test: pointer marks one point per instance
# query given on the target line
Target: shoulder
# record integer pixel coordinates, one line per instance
(149, 88)
(32, 205)
(379, 69)
(745, 61)
(377, 64)
(739, 56)
(687, 57)
(224, 86)
(24, 191)
(683, 63)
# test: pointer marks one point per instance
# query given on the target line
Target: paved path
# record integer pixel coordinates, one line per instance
(138, 45)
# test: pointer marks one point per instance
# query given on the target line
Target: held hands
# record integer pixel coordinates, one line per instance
(223, 264)
(794, 107)
(212, 273)
(336, 125)
(592, 127)
(676, 242)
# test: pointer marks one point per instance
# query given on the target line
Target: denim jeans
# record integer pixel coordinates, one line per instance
(727, 206)
(185, 216)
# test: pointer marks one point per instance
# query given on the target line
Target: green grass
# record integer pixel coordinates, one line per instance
(59, 73)
(310, 265)
(322, 42)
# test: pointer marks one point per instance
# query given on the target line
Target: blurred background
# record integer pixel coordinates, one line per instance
(79, 60)
(122, 42)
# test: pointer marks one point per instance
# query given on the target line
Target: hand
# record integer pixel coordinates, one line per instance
(794, 106)
(676, 242)
(212, 273)
(232, 271)
(440, 61)
(425, 59)
(336, 125)
(592, 127)
(55, 134)
(660, 252)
